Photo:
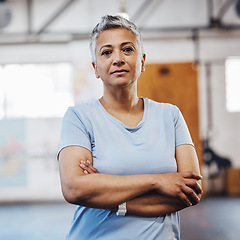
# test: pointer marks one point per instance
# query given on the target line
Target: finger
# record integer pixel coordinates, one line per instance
(191, 195)
(184, 198)
(191, 175)
(91, 167)
(198, 188)
(195, 185)
(85, 166)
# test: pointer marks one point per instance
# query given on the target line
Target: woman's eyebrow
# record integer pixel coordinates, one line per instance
(122, 44)
(125, 43)
(107, 45)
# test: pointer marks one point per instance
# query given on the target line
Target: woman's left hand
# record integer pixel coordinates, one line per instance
(87, 167)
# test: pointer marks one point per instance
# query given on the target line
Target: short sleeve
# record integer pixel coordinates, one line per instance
(74, 131)
(182, 134)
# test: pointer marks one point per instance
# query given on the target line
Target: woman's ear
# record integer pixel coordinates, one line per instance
(95, 69)
(143, 62)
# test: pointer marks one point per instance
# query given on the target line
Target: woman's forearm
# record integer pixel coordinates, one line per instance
(153, 204)
(107, 191)
(97, 190)
(104, 190)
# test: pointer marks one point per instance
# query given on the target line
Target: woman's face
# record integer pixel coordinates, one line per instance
(119, 62)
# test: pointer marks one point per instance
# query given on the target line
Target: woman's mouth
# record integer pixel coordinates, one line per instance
(119, 72)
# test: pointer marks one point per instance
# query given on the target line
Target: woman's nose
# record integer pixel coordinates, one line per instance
(118, 59)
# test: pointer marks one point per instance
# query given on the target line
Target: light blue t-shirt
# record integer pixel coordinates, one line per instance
(148, 148)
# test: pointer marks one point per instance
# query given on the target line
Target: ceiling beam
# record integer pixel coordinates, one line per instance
(210, 11)
(224, 8)
(55, 15)
(147, 33)
(29, 15)
(140, 10)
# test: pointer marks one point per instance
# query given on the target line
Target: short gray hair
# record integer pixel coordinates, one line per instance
(110, 22)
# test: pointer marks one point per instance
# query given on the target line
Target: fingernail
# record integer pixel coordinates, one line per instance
(85, 171)
(88, 161)
(82, 165)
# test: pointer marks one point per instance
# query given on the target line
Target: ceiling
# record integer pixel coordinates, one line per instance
(58, 21)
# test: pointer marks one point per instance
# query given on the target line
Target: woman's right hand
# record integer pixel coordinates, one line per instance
(183, 185)
(87, 167)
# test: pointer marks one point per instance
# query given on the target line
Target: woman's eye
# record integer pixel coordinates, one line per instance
(128, 49)
(106, 52)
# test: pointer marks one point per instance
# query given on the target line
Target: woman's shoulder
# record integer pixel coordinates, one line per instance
(161, 106)
(84, 107)
(82, 111)
(163, 110)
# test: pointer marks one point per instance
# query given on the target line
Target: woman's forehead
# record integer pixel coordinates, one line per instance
(115, 36)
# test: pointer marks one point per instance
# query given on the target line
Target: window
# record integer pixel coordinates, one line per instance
(35, 90)
(232, 66)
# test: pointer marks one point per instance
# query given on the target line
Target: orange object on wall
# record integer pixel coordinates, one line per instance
(175, 83)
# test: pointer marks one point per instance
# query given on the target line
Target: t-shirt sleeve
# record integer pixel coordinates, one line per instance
(182, 134)
(74, 131)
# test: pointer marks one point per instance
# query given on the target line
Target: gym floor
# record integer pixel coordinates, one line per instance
(214, 218)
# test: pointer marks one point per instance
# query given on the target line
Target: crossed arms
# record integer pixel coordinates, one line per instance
(146, 195)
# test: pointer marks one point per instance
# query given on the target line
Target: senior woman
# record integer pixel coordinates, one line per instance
(127, 162)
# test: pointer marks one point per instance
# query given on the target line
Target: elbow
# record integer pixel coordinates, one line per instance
(73, 194)
(69, 195)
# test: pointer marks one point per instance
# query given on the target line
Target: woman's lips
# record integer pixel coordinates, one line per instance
(119, 72)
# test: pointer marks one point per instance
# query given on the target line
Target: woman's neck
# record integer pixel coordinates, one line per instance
(120, 101)
(129, 110)
(124, 105)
